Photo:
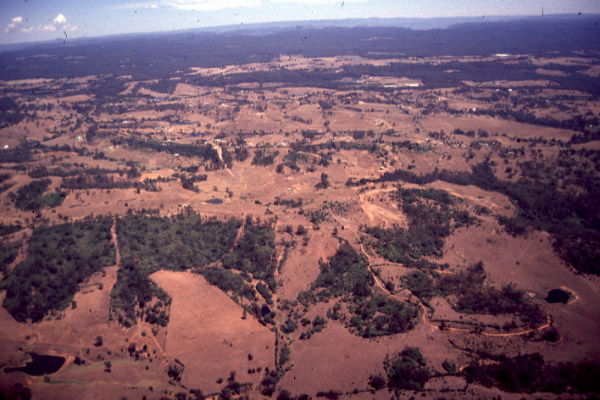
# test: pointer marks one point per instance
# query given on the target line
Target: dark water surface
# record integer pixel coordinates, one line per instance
(558, 296)
(39, 365)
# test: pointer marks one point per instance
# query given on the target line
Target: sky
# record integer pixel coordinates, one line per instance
(40, 20)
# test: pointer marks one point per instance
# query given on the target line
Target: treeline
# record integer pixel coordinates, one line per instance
(59, 258)
(576, 123)
(8, 229)
(304, 146)
(205, 152)
(84, 182)
(5, 186)
(529, 373)
(44, 172)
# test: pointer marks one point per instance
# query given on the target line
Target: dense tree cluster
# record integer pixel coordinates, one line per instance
(407, 370)
(432, 215)
(8, 254)
(255, 252)
(59, 258)
(529, 373)
(471, 295)
(566, 215)
(31, 197)
(264, 157)
(346, 274)
(150, 243)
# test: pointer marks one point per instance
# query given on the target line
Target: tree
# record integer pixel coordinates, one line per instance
(377, 381)
(98, 341)
(324, 183)
(284, 395)
(408, 370)
(301, 230)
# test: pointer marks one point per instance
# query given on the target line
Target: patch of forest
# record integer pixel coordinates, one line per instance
(530, 373)
(8, 254)
(4, 185)
(467, 293)
(31, 197)
(8, 229)
(20, 154)
(249, 268)
(10, 112)
(150, 243)
(59, 258)
(346, 277)
(161, 55)
(527, 373)
(188, 242)
(570, 216)
(432, 216)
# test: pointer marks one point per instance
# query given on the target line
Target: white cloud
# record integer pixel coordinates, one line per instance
(60, 19)
(49, 28)
(28, 30)
(71, 28)
(14, 23)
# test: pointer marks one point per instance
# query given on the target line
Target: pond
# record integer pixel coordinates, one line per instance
(558, 296)
(39, 365)
(214, 201)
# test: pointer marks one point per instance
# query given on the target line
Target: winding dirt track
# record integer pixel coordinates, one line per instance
(423, 306)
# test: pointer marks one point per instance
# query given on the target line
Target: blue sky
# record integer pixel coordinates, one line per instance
(36, 20)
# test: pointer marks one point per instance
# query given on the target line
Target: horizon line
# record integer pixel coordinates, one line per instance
(242, 26)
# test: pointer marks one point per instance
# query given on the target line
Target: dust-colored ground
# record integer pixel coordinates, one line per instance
(206, 332)
(208, 335)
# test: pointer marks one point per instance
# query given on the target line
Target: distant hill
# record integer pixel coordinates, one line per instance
(156, 55)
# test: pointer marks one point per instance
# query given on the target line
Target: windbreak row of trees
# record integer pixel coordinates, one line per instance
(205, 152)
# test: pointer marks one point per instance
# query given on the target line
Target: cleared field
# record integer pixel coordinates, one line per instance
(208, 335)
